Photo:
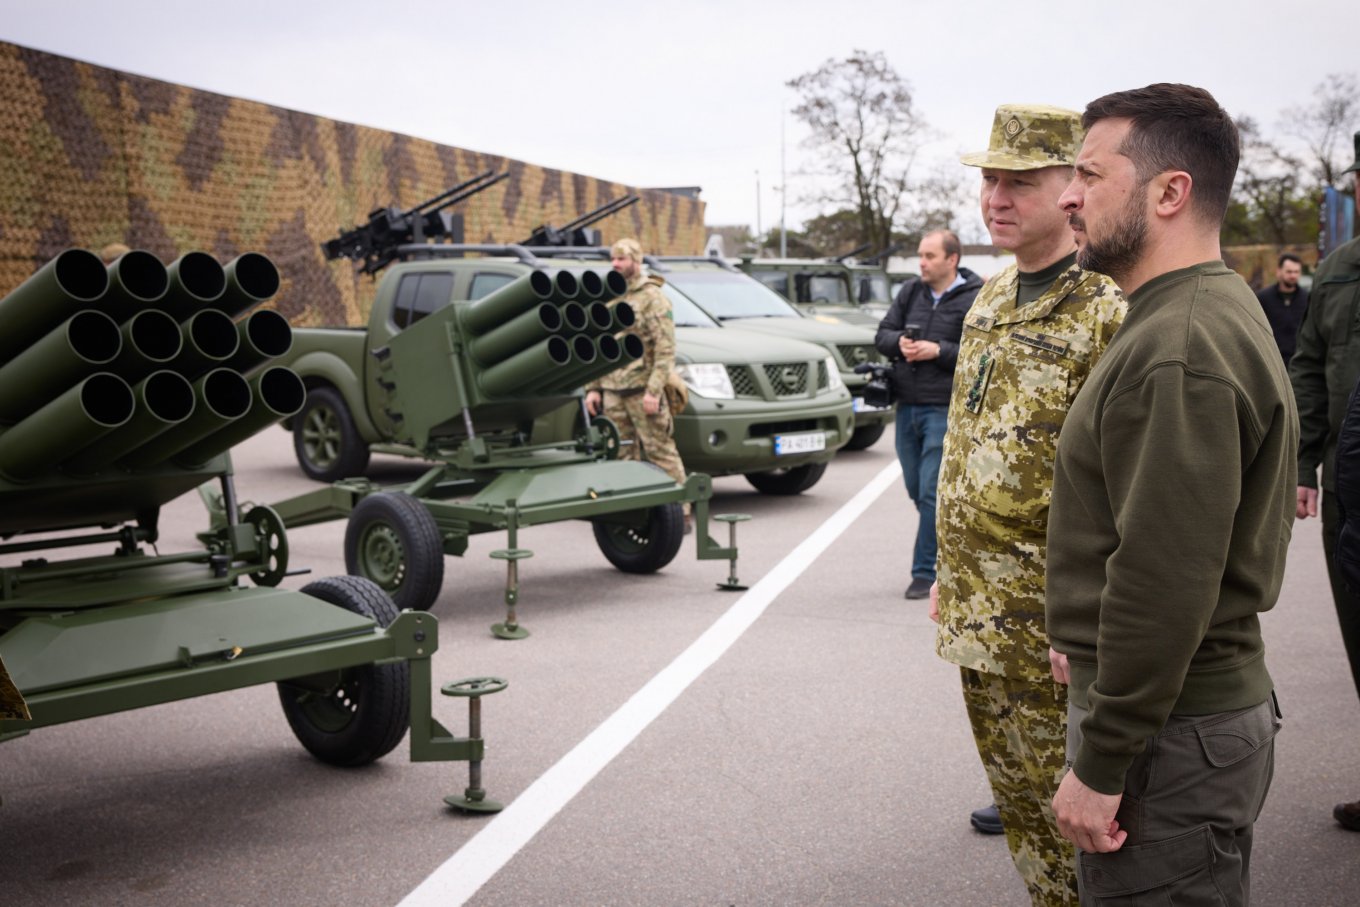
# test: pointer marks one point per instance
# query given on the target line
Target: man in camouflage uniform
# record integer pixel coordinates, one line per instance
(634, 395)
(1029, 341)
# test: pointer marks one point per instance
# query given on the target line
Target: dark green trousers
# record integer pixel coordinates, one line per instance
(1190, 802)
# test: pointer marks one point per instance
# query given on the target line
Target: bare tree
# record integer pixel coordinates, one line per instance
(1271, 201)
(1327, 123)
(866, 133)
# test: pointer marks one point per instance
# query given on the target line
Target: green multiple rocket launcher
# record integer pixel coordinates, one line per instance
(121, 388)
(461, 383)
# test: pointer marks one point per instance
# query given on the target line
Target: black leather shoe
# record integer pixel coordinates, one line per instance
(1348, 814)
(919, 588)
(988, 821)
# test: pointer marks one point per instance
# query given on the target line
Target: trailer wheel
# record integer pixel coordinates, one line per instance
(356, 715)
(325, 441)
(795, 480)
(392, 540)
(644, 549)
(865, 437)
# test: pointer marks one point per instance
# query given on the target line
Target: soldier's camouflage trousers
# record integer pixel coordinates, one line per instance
(652, 436)
(1021, 731)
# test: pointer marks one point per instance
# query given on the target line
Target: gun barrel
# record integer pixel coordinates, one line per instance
(508, 377)
(262, 335)
(603, 211)
(210, 339)
(137, 279)
(163, 399)
(447, 193)
(151, 341)
(468, 192)
(519, 332)
(251, 279)
(598, 318)
(276, 393)
(79, 346)
(510, 300)
(85, 412)
(196, 280)
(624, 316)
(55, 292)
(220, 396)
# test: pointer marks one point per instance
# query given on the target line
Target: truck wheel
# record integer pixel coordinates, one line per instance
(795, 480)
(327, 444)
(356, 715)
(865, 437)
(644, 549)
(392, 540)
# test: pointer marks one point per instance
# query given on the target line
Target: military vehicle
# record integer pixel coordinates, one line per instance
(122, 388)
(739, 301)
(824, 288)
(460, 382)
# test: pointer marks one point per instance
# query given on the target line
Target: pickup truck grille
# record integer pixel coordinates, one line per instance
(853, 354)
(781, 379)
(789, 379)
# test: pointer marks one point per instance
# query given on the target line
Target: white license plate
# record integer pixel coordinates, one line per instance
(792, 444)
(859, 406)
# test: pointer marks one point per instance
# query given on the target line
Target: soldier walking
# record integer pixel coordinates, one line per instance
(1029, 341)
(634, 396)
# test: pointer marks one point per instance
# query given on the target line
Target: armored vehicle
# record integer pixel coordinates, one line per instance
(122, 388)
(741, 302)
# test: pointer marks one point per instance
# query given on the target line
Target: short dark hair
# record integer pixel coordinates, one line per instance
(1289, 256)
(949, 240)
(1177, 127)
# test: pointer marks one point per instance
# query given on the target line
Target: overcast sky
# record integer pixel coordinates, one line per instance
(691, 93)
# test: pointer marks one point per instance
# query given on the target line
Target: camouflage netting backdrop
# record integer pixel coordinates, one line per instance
(92, 156)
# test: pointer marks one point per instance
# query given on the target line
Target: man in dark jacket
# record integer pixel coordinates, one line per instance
(1324, 371)
(1285, 302)
(920, 334)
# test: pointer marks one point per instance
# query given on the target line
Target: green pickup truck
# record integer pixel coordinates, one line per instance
(775, 414)
(822, 287)
(743, 303)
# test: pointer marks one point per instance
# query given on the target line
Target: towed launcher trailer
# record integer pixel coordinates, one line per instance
(124, 387)
(464, 385)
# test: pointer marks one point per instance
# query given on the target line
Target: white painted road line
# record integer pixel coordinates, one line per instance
(460, 877)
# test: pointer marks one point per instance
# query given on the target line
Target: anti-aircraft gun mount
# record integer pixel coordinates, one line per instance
(578, 232)
(121, 388)
(377, 243)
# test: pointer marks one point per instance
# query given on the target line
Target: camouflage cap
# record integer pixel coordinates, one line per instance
(1030, 136)
(1355, 167)
(627, 248)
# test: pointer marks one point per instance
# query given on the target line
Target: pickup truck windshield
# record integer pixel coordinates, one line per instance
(685, 312)
(725, 295)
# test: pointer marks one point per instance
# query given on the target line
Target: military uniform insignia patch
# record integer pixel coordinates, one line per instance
(976, 390)
(980, 322)
(1041, 341)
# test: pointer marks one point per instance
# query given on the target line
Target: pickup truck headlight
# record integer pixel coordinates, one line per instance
(707, 379)
(833, 374)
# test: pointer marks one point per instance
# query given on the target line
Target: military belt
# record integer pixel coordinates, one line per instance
(626, 391)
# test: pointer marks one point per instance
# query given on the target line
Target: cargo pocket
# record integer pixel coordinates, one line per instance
(1178, 870)
(1237, 736)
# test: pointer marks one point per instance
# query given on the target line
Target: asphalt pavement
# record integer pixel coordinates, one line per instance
(818, 756)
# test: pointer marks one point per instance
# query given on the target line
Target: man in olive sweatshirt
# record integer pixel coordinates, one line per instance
(1173, 499)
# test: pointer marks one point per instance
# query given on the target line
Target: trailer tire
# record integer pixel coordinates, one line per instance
(326, 443)
(359, 714)
(646, 549)
(794, 480)
(392, 540)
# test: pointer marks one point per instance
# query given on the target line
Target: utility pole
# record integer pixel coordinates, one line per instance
(783, 191)
(759, 235)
